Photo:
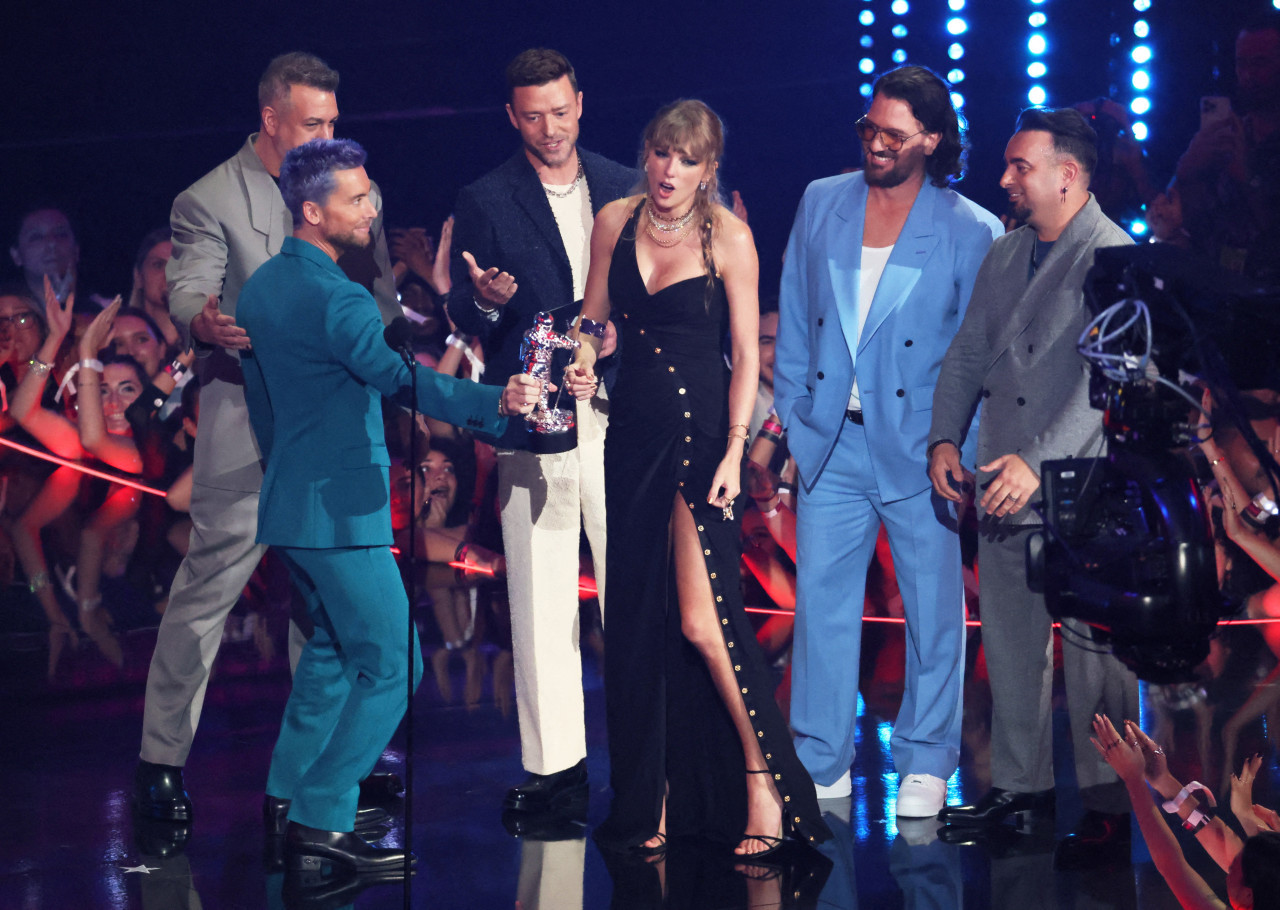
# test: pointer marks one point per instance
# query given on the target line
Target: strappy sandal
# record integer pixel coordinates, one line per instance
(643, 850)
(771, 844)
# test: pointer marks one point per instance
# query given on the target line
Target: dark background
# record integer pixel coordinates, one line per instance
(112, 109)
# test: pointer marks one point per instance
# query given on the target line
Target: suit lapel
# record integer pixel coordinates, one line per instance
(844, 260)
(527, 192)
(911, 251)
(267, 212)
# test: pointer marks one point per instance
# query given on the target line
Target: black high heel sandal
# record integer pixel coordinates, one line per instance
(772, 844)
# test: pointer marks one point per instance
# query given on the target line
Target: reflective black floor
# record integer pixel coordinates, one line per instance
(68, 840)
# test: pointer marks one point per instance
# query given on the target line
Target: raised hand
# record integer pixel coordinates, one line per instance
(492, 285)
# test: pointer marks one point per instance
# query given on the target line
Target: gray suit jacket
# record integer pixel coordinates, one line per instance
(1015, 353)
(225, 225)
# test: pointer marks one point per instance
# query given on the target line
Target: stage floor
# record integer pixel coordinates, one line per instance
(68, 839)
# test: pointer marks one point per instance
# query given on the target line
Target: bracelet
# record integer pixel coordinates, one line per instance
(928, 453)
(91, 363)
(743, 425)
(772, 426)
(785, 487)
(39, 367)
(1199, 817)
(743, 437)
(175, 369)
(591, 327)
(482, 307)
(770, 512)
(767, 434)
(458, 340)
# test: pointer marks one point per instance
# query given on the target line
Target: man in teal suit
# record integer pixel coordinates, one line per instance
(877, 278)
(313, 382)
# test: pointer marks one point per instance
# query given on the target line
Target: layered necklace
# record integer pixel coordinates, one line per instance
(573, 187)
(667, 232)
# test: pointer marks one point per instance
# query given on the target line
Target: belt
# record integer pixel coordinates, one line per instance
(854, 415)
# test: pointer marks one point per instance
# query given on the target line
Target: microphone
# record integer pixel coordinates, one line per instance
(399, 337)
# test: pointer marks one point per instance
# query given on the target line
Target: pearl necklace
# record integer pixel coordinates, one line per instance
(573, 187)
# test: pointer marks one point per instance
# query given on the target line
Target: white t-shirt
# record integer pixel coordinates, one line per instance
(874, 259)
(573, 217)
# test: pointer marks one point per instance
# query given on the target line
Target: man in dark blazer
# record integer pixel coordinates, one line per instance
(225, 226)
(1016, 354)
(313, 383)
(877, 278)
(522, 233)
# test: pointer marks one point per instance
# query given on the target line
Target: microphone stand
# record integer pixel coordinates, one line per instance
(412, 362)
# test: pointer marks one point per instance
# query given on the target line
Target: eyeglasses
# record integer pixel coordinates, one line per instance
(892, 139)
(20, 320)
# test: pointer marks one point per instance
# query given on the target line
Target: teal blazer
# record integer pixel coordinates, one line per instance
(313, 381)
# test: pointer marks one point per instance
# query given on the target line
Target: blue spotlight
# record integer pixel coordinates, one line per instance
(1139, 130)
(899, 31)
(1036, 44)
(955, 51)
(1141, 54)
(866, 17)
(1037, 95)
(955, 5)
(867, 65)
(1138, 228)
(865, 90)
(957, 26)
(957, 100)
(1141, 80)
(1037, 70)
(866, 41)
(1036, 20)
(900, 7)
(899, 56)
(1140, 105)
(955, 76)
(1141, 29)
(1142, 5)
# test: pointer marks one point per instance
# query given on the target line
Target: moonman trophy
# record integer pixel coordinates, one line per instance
(552, 426)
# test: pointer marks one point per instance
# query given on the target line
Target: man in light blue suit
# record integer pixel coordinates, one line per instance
(877, 277)
(314, 378)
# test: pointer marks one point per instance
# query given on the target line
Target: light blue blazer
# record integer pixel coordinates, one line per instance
(917, 309)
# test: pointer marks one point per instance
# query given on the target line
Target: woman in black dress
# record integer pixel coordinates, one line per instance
(697, 745)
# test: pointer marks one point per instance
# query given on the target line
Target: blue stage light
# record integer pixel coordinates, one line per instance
(955, 76)
(1037, 95)
(1037, 70)
(1141, 80)
(867, 65)
(900, 7)
(1036, 20)
(957, 26)
(1141, 29)
(1140, 105)
(1139, 130)
(866, 41)
(899, 31)
(1138, 228)
(1142, 5)
(955, 51)
(1036, 44)
(865, 90)
(899, 56)
(866, 17)
(955, 5)
(957, 100)
(1141, 54)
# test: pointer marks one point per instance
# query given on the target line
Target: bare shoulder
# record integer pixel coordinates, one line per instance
(616, 213)
(733, 239)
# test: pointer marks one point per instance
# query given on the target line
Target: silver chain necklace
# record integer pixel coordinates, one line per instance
(573, 187)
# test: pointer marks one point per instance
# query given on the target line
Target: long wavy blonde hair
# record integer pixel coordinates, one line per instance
(694, 128)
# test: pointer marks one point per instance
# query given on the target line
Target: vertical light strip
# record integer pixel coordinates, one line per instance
(1038, 48)
(1140, 82)
(957, 27)
(867, 64)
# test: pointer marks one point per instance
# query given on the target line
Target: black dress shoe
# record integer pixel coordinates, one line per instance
(381, 786)
(545, 826)
(158, 793)
(544, 792)
(1100, 839)
(160, 839)
(997, 805)
(310, 852)
(275, 817)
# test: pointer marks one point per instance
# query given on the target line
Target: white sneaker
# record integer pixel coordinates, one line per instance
(840, 789)
(921, 796)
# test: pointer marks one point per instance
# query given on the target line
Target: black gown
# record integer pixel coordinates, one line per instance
(668, 424)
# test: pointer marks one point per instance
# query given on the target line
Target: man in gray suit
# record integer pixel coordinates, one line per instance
(1016, 354)
(225, 225)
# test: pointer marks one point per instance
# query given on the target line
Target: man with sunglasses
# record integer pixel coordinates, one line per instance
(878, 273)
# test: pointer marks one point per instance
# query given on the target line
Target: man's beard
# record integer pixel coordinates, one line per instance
(350, 241)
(541, 155)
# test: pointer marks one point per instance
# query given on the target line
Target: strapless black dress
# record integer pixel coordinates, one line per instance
(668, 424)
